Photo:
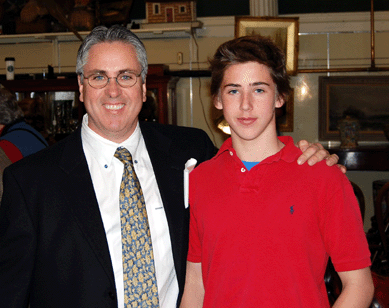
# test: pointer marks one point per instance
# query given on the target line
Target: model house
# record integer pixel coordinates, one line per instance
(170, 11)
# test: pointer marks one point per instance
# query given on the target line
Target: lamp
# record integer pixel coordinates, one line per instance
(222, 124)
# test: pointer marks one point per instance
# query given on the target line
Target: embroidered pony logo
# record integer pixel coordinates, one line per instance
(291, 210)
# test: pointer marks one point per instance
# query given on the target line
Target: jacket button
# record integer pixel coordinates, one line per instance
(111, 295)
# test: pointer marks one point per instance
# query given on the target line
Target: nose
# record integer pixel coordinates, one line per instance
(112, 88)
(246, 103)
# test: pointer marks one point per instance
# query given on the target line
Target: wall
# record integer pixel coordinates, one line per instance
(326, 41)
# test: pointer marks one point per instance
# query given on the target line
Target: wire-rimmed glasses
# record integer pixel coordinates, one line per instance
(125, 79)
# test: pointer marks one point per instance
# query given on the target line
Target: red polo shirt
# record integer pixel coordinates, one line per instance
(264, 236)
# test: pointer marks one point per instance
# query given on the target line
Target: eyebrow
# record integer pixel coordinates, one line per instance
(235, 85)
(97, 71)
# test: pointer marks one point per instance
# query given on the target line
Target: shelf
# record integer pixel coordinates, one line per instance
(40, 37)
(165, 30)
(41, 85)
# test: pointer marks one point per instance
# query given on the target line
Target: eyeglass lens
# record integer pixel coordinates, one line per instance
(125, 80)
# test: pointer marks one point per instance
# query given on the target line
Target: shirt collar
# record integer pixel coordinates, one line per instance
(288, 153)
(103, 149)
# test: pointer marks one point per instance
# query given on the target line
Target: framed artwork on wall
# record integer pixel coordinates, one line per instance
(283, 31)
(364, 98)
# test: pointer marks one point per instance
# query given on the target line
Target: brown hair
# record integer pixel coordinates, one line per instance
(254, 48)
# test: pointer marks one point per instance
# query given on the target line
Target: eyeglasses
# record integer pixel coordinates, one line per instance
(100, 80)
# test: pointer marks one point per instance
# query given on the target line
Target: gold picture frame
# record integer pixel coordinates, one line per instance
(283, 31)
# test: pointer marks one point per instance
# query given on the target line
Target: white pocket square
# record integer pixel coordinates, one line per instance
(189, 165)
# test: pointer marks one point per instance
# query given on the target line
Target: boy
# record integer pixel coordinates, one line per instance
(262, 237)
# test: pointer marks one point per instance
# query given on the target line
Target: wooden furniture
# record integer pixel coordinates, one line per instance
(381, 211)
(367, 158)
(40, 85)
(161, 84)
(379, 245)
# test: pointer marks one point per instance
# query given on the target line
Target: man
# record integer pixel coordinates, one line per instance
(262, 227)
(60, 220)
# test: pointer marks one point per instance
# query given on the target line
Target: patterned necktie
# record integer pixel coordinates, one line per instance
(140, 284)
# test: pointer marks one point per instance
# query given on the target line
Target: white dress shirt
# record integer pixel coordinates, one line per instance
(106, 172)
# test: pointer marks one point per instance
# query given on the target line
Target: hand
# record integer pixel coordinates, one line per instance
(315, 152)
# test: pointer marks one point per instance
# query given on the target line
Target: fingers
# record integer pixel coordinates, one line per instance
(342, 168)
(303, 145)
(332, 160)
(313, 154)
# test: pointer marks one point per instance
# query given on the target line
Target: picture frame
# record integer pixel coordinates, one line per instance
(285, 114)
(365, 98)
(282, 30)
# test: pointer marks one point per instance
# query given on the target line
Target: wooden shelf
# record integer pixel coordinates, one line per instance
(148, 31)
(364, 158)
(41, 85)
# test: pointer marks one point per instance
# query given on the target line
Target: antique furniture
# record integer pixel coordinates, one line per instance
(367, 158)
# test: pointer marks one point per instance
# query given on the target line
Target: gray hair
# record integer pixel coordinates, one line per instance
(9, 108)
(116, 33)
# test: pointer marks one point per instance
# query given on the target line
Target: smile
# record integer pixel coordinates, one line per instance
(114, 107)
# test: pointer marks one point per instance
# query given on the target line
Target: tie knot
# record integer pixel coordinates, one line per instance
(123, 155)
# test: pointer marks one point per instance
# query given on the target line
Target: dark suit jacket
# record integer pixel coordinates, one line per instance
(53, 248)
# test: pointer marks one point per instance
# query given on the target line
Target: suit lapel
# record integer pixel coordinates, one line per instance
(168, 163)
(82, 200)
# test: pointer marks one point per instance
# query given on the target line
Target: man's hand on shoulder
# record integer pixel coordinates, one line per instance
(315, 152)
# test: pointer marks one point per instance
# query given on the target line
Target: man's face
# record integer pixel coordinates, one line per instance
(248, 98)
(113, 110)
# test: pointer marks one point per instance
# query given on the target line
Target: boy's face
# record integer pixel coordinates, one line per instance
(248, 98)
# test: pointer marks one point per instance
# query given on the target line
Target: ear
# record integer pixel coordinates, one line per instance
(80, 87)
(218, 102)
(144, 89)
(280, 101)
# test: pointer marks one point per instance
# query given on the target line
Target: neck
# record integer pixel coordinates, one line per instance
(256, 150)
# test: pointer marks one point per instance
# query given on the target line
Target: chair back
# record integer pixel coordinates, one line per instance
(360, 197)
(381, 212)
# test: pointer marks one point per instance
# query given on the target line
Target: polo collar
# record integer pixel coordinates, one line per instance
(289, 153)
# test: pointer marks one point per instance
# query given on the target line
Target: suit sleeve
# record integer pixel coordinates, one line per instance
(209, 148)
(17, 245)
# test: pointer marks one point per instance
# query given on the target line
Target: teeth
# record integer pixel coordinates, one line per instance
(114, 107)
